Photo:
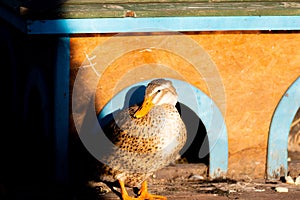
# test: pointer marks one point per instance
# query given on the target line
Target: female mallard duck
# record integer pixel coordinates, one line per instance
(145, 139)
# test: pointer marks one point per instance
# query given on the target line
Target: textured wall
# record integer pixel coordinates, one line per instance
(255, 69)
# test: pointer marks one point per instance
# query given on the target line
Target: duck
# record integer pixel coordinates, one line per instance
(145, 138)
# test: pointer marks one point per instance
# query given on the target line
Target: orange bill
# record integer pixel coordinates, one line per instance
(144, 109)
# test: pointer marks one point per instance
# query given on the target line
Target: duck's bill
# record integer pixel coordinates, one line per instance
(144, 109)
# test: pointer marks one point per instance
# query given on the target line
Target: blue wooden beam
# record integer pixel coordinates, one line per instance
(277, 164)
(61, 107)
(157, 24)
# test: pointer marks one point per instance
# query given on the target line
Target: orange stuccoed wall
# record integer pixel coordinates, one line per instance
(256, 68)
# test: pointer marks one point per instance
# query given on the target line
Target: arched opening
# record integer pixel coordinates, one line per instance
(207, 141)
(207, 137)
(277, 156)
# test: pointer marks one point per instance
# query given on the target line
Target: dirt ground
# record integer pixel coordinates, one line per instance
(187, 181)
(175, 182)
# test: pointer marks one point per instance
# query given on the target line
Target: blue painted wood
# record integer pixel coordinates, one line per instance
(13, 19)
(277, 165)
(117, 25)
(206, 110)
(61, 107)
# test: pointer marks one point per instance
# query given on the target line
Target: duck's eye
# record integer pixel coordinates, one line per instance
(158, 90)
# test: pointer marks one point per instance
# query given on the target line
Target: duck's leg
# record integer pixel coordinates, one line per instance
(124, 193)
(143, 193)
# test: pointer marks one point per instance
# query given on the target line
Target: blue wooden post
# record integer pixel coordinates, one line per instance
(61, 107)
(277, 165)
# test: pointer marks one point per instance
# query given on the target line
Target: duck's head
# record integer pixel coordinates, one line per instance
(158, 92)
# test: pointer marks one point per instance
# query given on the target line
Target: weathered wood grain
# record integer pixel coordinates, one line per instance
(163, 8)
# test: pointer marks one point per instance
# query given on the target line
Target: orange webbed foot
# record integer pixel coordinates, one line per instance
(144, 195)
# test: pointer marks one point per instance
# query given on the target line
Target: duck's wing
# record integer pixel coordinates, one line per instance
(119, 124)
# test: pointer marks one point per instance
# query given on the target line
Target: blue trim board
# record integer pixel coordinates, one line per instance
(159, 24)
(206, 110)
(277, 164)
(13, 19)
(61, 107)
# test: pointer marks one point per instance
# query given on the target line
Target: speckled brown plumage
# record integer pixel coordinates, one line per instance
(144, 145)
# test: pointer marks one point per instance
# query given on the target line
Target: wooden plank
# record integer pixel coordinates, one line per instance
(146, 8)
(130, 1)
(166, 1)
(90, 9)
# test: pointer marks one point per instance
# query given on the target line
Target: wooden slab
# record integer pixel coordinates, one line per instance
(96, 9)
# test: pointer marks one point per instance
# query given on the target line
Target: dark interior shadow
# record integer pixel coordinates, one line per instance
(196, 137)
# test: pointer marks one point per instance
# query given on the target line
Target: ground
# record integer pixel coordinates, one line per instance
(176, 182)
(182, 181)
